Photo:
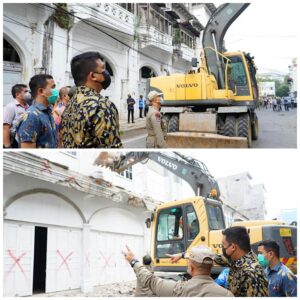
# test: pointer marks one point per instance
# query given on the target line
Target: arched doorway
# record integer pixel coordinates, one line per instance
(111, 229)
(12, 69)
(145, 73)
(45, 227)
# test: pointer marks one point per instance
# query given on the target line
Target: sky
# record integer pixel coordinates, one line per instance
(278, 170)
(268, 30)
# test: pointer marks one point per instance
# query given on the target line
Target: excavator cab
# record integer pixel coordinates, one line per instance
(241, 77)
(179, 225)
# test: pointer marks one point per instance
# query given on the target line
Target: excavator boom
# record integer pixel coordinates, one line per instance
(189, 169)
(213, 37)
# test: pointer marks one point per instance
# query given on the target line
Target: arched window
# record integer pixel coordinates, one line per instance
(10, 53)
(147, 72)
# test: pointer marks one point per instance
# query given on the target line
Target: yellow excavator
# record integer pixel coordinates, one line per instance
(213, 105)
(177, 226)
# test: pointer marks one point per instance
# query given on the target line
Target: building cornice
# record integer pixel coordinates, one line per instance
(33, 166)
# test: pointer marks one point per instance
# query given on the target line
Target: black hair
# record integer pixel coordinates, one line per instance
(37, 82)
(271, 245)
(82, 65)
(147, 260)
(238, 235)
(17, 88)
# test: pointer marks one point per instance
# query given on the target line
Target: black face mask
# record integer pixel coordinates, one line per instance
(224, 252)
(107, 80)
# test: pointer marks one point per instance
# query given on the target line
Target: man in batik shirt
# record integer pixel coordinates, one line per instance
(90, 120)
(246, 276)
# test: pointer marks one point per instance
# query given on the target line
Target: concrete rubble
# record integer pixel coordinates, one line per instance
(122, 289)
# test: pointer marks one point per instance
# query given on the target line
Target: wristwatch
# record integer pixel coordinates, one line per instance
(133, 262)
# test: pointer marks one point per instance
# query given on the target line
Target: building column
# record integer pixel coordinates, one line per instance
(87, 285)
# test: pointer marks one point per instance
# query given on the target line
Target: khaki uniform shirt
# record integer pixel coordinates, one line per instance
(141, 290)
(156, 129)
(90, 121)
(246, 276)
(198, 286)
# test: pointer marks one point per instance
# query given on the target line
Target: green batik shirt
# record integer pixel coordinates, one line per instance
(90, 121)
(246, 276)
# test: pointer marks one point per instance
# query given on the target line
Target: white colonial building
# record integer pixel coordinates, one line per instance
(267, 88)
(137, 41)
(71, 218)
(72, 225)
(239, 193)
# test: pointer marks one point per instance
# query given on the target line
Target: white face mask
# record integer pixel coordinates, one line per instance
(27, 97)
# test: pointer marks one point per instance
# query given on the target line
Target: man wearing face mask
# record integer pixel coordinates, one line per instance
(12, 112)
(37, 128)
(246, 276)
(282, 281)
(200, 262)
(90, 120)
(155, 126)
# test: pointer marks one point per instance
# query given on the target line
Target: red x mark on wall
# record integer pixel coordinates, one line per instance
(64, 261)
(106, 260)
(16, 261)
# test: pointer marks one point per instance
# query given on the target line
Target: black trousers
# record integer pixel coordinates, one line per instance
(141, 112)
(131, 112)
(146, 111)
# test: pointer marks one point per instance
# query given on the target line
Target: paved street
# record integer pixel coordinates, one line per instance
(124, 289)
(135, 139)
(276, 130)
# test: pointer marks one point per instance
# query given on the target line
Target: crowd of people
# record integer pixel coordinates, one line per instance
(41, 116)
(276, 103)
(72, 117)
(143, 107)
(245, 275)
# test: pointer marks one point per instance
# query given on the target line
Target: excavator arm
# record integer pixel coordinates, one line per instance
(213, 37)
(189, 169)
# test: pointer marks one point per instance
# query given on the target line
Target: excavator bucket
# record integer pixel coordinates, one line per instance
(107, 159)
(204, 140)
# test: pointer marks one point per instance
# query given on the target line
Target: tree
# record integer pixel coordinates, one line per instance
(283, 91)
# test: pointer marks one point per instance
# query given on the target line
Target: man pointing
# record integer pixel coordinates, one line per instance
(200, 261)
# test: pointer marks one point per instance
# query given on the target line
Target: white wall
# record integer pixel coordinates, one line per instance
(44, 208)
(52, 206)
(65, 211)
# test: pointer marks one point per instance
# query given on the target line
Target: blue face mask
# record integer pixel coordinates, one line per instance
(54, 96)
(262, 260)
